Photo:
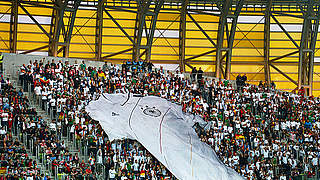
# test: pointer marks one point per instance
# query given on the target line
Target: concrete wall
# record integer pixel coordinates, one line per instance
(13, 62)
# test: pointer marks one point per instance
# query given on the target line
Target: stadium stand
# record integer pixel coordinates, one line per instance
(250, 69)
(259, 131)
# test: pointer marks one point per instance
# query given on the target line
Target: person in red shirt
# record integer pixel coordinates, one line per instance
(54, 165)
(88, 170)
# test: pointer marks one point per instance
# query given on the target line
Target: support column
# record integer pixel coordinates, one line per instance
(230, 38)
(143, 12)
(314, 37)
(307, 47)
(143, 6)
(220, 36)
(223, 23)
(68, 34)
(13, 26)
(99, 25)
(57, 24)
(152, 28)
(182, 34)
(267, 43)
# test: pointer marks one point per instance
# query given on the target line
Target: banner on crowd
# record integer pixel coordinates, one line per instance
(164, 130)
(239, 136)
(3, 170)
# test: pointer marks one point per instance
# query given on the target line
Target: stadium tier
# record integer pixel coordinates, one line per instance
(79, 121)
(159, 89)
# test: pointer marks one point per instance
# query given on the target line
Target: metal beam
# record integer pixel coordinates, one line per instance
(68, 34)
(314, 37)
(140, 23)
(200, 55)
(201, 29)
(284, 56)
(117, 53)
(204, 5)
(284, 30)
(182, 35)
(231, 38)
(34, 20)
(284, 74)
(118, 25)
(56, 24)
(267, 43)
(286, 14)
(152, 14)
(36, 4)
(304, 45)
(191, 67)
(308, 40)
(143, 6)
(120, 9)
(206, 62)
(225, 33)
(202, 12)
(99, 25)
(60, 50)
(36, 49)
(143, 53)
(152, 28)
(13, 26)
(220, 37)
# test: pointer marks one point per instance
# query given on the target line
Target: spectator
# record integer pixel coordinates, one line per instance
(199, 75)
(194, 74)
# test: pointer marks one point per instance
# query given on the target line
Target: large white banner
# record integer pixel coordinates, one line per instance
(164, 130)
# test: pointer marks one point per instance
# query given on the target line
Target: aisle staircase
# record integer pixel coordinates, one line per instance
(41, 166)
(70, 144)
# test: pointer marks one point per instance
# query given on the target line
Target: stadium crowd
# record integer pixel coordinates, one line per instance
(260, 132)
(14, 160)
(65, 92)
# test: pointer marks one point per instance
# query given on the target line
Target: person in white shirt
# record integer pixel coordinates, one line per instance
(135, 166)
(99, 156)
(283, 177)
(3, 131)
(37, 90)
(112, 173)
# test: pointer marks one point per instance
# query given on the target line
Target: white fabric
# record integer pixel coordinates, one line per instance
(169, 137)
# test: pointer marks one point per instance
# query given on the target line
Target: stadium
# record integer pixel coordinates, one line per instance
(159, 89)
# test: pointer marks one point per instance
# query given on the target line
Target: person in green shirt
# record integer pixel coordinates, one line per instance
(93, 72)
(220, 116)
(226, 82)
(83, 66)
(128, 164)
(248, 106)
(227, 121)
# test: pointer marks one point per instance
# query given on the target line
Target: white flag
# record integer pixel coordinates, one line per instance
(164, 130)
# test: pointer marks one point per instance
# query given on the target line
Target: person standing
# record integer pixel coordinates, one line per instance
(244, 79)
(23, 70)
(238, 80)
(149, 64)
(200, 74)
(194, 73)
